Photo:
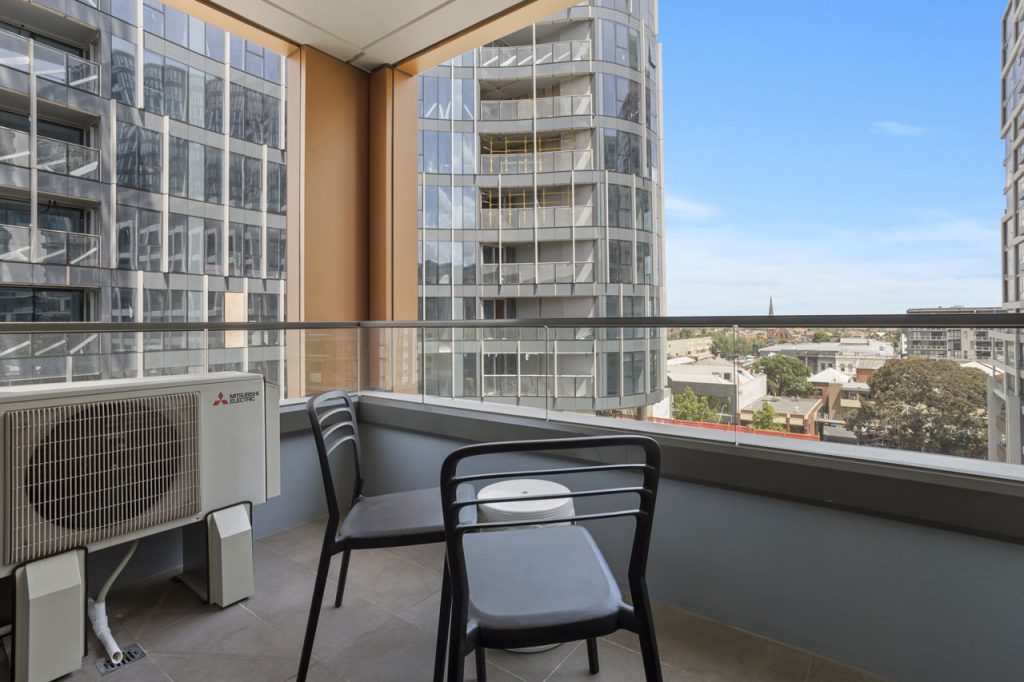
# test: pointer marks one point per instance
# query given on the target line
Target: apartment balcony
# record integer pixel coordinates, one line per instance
(541, 107)
(64, 168)
(537, 273)
(528, 55)
(772, 557)
(56, 247)
(528, 218)
(541, 162)
(62, 79)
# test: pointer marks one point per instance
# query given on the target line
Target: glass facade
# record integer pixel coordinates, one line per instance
(540, 196)
(161, 205)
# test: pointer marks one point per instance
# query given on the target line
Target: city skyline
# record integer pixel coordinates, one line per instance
(850, 170)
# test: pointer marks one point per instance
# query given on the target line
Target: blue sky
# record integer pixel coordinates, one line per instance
(842, 156)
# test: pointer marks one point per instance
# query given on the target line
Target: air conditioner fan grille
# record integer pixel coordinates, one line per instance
(90, 471)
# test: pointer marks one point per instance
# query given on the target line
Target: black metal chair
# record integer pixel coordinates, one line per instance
(530, 586)
(393, 520)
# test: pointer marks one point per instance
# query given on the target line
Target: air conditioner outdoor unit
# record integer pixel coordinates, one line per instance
(90, 465)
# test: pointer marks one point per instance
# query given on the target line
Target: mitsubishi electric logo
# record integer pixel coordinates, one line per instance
(235, 398)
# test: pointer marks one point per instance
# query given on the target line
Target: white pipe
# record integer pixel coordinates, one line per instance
(98, 610)
(98, 618)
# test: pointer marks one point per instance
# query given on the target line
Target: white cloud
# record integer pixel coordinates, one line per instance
(678, 208)
(897, 128)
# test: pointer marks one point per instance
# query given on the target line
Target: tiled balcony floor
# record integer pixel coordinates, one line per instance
(385, 631)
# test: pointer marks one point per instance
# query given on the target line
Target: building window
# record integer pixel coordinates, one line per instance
(153, 81)
(499, 308)
(621, 151)
(633, 365)
(611, 374)
(236, 249)
(620, 261)
(435, 97)
(276, 253)
(620, 206)
(620, 44)
(23, 304)
(620, 97)
(235, 186)
(177, 150)
(644, 210)
(214, 175)
(253, 184)
(122, 69)
(644, 263)
(213, 236)
(277, 188)
(214, 42)
(437, 308)
(214, 103)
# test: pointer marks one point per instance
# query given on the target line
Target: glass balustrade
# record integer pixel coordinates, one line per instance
(527, 55)
(545, 107)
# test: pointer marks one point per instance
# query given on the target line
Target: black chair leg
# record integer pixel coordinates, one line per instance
(481, 665)
(595, 666)
(342, 574)
(314, 614)
(442, 624)
(456, 648)
(645, 630)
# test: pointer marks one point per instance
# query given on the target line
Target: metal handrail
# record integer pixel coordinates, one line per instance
(1007, 320)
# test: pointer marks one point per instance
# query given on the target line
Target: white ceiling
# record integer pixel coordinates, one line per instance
(366, 33)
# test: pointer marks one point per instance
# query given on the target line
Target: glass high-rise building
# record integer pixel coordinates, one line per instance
(142, 179)
(540, 197)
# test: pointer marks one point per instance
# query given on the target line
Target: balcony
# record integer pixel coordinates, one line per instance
(52, 65)
(541, 107)
(527, 55)
(541, 162)
(539, 273)
(55, 247)
(52, 156)
(528, 218)
(772, 556)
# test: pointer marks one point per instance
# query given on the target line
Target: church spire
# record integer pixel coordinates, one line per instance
(771, 307)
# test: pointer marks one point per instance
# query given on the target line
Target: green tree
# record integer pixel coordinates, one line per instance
(764, 419)
(787, 376)
(821, 336)
(725, 344)
(925, 405)
(688, 406)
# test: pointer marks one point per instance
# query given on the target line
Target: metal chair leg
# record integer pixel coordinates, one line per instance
(314, 614)
(481, 665)
(342, 574)
(443, 618)
(645, 630)
(595, 666)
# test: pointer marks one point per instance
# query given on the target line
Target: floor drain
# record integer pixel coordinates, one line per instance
(132, 653)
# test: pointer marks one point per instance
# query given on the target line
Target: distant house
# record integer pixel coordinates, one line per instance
(698, 348)
(718, 378)
(797, 415)
(857, 357)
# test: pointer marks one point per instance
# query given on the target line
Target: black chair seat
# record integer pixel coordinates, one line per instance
(396, 519)
(537, 585)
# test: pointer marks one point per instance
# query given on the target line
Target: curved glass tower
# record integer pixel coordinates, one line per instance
(541, 197)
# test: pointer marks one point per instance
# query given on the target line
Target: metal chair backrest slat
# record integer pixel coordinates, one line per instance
(333, 420)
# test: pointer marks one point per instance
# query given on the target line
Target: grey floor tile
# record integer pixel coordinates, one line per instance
(424, 615)
(823, 670)
(234, 631)
(389, 581)
(534, 667)
(397, 651)
(617, 664)
(282, 598)
(141, 608)
(300, 544)
(428, 556)
(318, 672)
(219, 668)
(146, 670)
(714, 652)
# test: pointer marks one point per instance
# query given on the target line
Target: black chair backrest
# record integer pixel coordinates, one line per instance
(458, 524)
(332, 415)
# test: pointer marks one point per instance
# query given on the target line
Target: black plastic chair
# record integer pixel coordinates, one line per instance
(530, 586)
(393, 520)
